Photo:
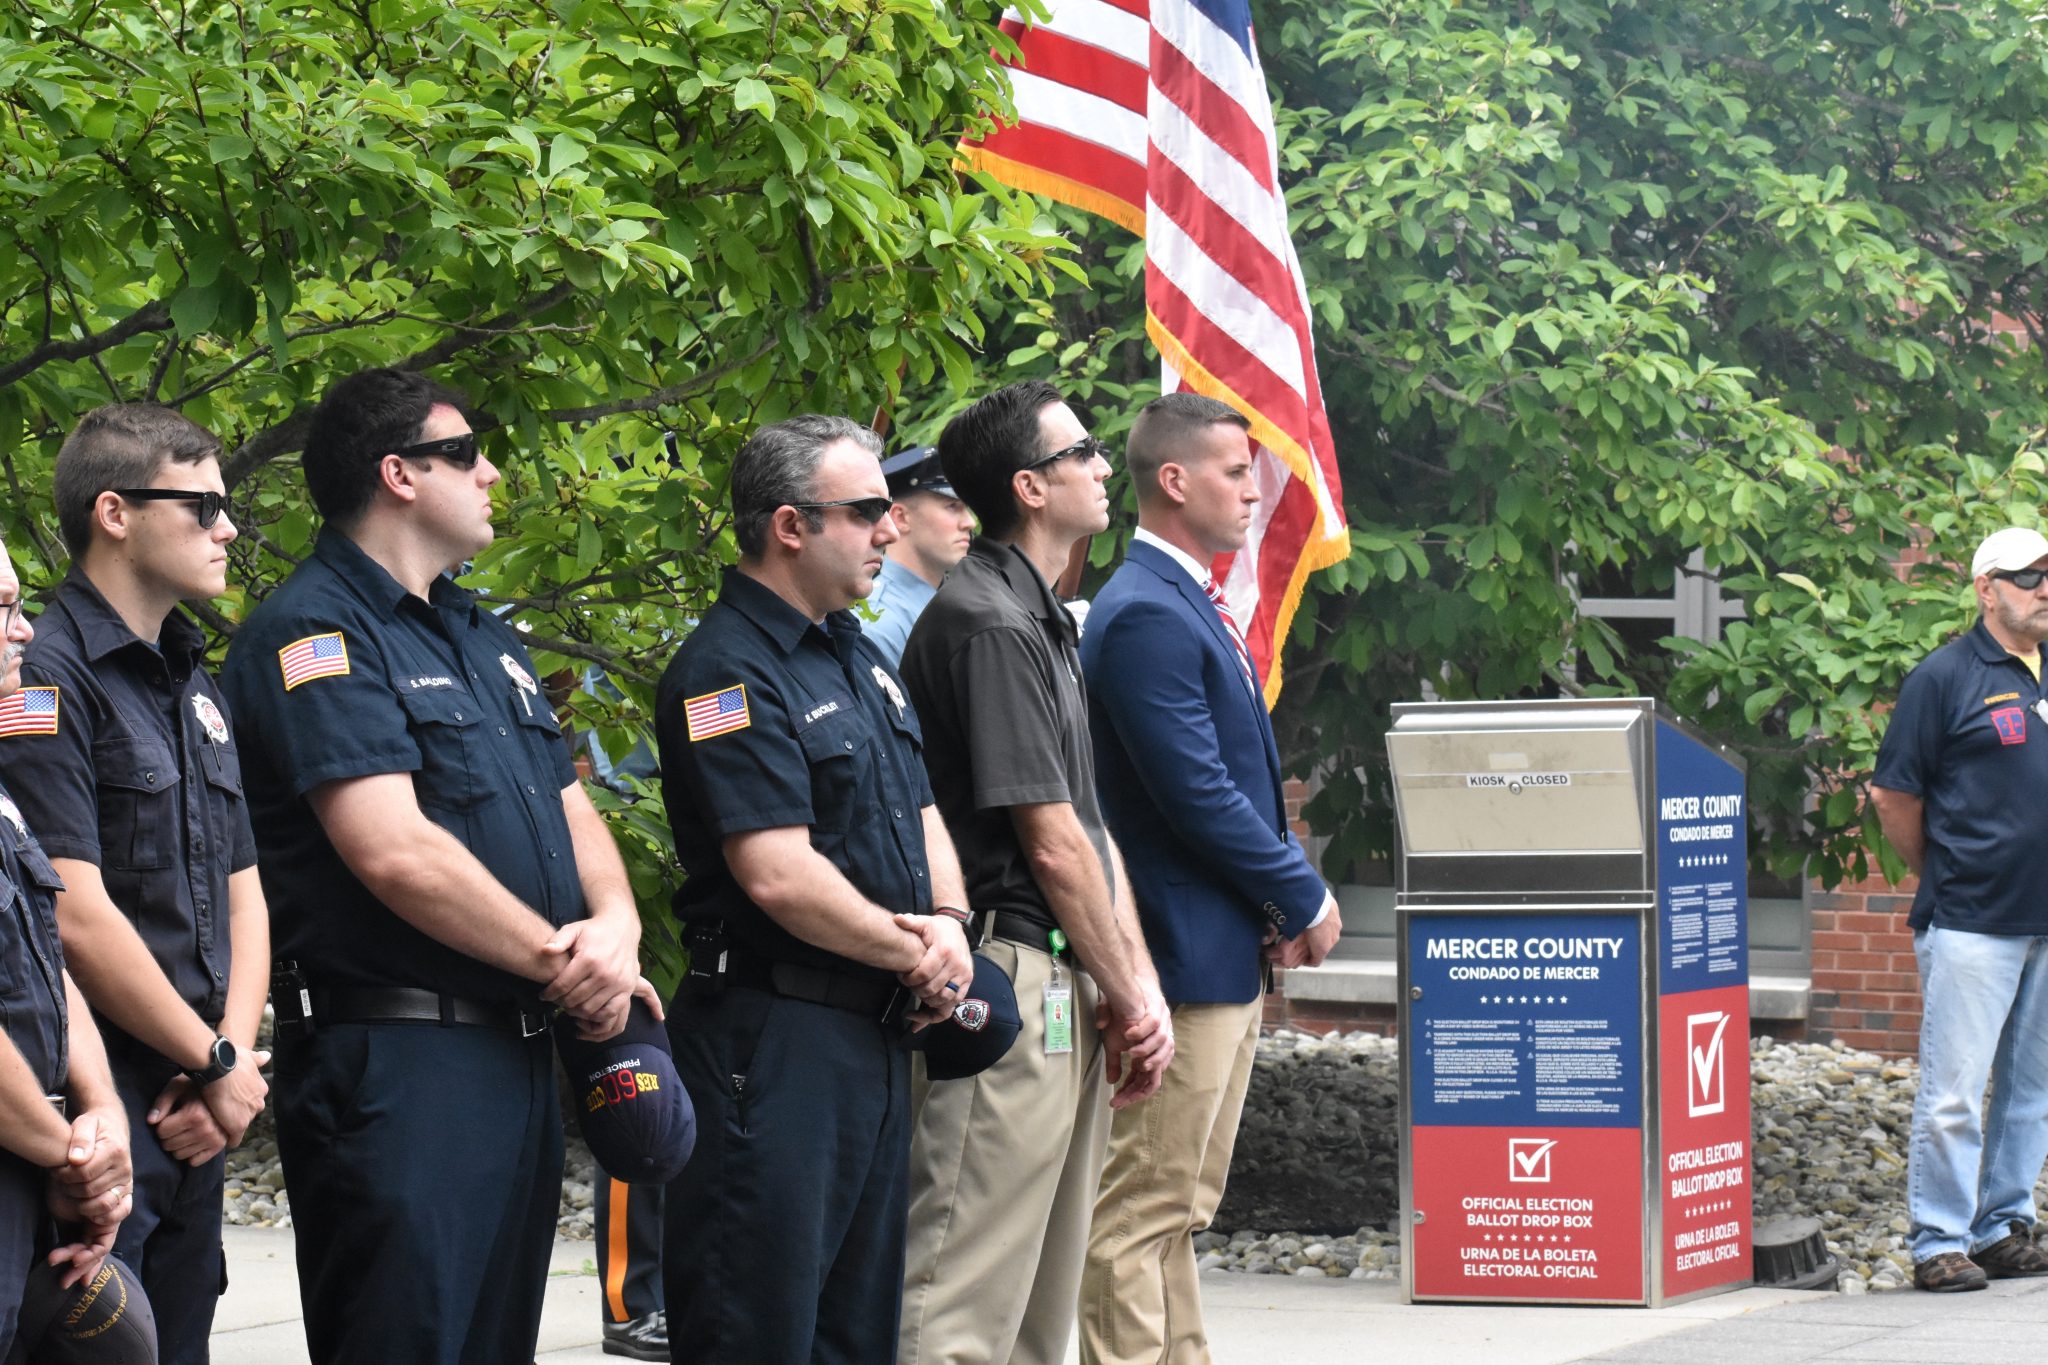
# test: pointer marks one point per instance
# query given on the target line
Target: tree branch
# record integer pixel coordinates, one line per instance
(661, 397)
(610, 661)
(288, 435)
(151, 317)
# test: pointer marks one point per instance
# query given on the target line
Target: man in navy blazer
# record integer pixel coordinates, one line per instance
(1190, 782)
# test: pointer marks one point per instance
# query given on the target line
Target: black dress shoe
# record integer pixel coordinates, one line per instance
(640, 1338)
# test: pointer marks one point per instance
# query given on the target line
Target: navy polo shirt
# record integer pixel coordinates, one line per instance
(32, 1005)
(342, 673)
(1969, 737)
(135, 770)
(765, 720)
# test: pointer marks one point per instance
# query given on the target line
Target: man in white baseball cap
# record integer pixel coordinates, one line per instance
(1959, 788)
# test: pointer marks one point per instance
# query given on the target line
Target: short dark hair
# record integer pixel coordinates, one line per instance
(1164, 426)
(120, 445)
(983, 447)
(365, 417)
(779, 465)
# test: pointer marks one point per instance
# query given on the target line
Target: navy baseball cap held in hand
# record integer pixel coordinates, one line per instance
(105, 1320)
(629, 1101)
(983, 1026)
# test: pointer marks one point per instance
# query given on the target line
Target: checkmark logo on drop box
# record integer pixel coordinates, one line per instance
(1529, 1160)
(1706, 1085)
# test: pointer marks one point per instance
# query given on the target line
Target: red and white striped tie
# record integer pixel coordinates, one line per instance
(1244, 655)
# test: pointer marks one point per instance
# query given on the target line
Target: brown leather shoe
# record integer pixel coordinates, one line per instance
(2013, 1257)
(1949, 1273)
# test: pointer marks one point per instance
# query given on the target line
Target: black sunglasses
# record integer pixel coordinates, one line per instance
(459, 451)
(2026, 580)
(209, 505)
(869, 510)
(1085, 449)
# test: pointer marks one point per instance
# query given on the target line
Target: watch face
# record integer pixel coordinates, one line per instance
(223, 1054)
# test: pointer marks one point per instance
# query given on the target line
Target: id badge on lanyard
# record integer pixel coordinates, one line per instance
(1059, 1002)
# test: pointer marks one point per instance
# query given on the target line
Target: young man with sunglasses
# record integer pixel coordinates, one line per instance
(818, 885)
(122, 761)
(1004, 1164)
(1958, 790)
(442, 885)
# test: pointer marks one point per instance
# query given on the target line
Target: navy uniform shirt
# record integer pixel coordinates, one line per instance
(32, 1006)
(1969, 737)
(766, 720)
(342, 673)
(122, 757)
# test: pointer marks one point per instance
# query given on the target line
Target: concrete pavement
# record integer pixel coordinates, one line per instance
(1262, 1319)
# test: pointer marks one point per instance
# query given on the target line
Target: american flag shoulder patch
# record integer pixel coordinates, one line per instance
(316, 656)
(31, 711)
(718, 713)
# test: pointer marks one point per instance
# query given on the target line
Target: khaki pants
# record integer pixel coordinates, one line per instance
(1141, 1299)
(1003, 1174)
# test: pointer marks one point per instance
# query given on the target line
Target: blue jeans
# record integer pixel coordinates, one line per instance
(1984, 1018)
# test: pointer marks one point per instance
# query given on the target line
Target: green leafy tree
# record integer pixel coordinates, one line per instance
(1600, 284)
(601, 220)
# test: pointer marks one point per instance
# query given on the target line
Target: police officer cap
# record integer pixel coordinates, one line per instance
(636, 1117)
(105, 1320)
(983, 1026)
(916, 471)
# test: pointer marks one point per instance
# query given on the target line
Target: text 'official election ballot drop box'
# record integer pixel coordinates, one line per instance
(1574, 967)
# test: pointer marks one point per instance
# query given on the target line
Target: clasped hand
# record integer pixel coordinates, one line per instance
(941, 978)
(598, 976)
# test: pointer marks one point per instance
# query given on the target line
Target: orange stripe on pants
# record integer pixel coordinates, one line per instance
(616, 1254)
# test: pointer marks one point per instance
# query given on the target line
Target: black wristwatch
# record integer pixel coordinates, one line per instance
(220, 1060)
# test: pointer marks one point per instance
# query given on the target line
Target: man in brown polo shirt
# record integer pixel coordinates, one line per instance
(1004, 1165)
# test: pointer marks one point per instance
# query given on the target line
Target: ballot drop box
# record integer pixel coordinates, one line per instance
(1571, 914)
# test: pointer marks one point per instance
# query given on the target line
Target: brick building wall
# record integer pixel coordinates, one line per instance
(1866, 987)
(1318, 1016)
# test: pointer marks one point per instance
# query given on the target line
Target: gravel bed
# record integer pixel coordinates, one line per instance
(1830, 1127)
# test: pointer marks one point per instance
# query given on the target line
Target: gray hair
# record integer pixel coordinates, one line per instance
(778, 466)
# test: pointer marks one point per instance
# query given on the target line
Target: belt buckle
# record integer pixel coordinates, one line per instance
(534, 1024)
(981, 929)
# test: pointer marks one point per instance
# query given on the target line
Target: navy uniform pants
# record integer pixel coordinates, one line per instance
(628, 1247)
(425, 1169)
(22, 1215)
(785, 1233)
(172, 1238)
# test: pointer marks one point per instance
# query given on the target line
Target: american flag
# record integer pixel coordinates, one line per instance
(316, 656)
(714, 713)
(1154, 114)
(31, 711)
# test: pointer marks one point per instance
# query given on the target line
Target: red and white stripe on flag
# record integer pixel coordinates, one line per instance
(1154, 114)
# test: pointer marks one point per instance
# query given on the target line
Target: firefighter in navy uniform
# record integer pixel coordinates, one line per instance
(442, 884)
(51, 1059)
(819, 881)
(131, 781)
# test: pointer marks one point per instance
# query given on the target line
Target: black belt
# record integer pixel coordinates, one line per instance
(404, 1005)
(814, 985)
(1025, 933)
